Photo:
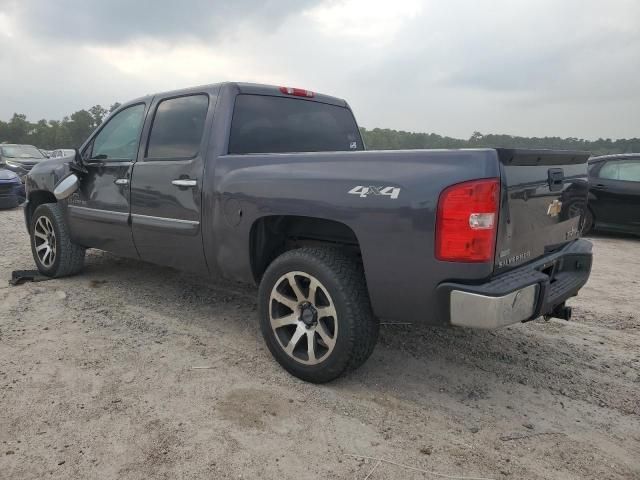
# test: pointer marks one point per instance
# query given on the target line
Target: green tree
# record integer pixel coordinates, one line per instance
(73, 130)
(18, 128)
(98, 113)
(80, 126)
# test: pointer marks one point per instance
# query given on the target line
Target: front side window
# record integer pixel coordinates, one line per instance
(268, 124)
(177, 128)
(118, 140)
(625, 170)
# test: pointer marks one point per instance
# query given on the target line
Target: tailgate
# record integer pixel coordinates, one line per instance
(543, 192)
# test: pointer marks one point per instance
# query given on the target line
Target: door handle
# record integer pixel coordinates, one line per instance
(121, 181)
(600, 186)
(184, 182)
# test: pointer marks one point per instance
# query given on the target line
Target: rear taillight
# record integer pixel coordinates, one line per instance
(297, 92)
(467, 221)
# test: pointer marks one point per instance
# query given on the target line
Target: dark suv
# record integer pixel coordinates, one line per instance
(19, 158)
(614, 194)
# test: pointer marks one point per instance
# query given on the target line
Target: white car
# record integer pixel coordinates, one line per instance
(62, 152)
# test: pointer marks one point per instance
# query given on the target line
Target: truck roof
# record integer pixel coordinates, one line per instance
(246, 88)
(601, 158)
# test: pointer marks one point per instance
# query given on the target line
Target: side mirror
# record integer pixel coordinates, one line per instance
(78, 165)
(66, 187)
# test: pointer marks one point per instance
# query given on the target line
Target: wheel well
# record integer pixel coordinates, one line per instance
(271, 236)
(36, 199)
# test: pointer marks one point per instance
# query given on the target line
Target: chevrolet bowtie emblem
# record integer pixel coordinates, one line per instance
(554, 208)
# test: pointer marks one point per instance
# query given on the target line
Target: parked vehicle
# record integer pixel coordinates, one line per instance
(614, 194)
(12, 191)
(273, 185)
(19, 158)
(62, 152)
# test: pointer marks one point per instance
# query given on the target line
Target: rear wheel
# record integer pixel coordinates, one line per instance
(581, 209)
(315, 314)
(587, 221)
(53, 251)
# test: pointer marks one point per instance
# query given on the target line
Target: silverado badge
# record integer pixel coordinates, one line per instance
(554, 208)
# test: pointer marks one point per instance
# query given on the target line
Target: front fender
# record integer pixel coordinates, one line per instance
(45, 175)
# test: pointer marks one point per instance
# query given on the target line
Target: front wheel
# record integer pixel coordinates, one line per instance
(53, 251)
(315, 314)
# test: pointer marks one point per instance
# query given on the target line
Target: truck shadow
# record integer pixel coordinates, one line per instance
(410, 362)
(554, 361)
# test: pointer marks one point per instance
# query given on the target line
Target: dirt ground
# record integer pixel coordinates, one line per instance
(133, 371)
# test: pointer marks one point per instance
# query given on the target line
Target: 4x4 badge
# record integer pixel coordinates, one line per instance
(363, 192)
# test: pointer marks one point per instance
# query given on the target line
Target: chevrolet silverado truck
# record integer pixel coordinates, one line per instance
(273, 185)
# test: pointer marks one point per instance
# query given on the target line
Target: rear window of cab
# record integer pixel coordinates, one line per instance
(268, 124)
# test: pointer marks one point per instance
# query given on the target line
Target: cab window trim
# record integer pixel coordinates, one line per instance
(146, 158)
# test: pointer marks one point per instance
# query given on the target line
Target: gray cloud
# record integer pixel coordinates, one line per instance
(120, 21)
(526, 67)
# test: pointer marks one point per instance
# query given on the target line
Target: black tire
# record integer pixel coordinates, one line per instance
(69, 257)
(587, 221)
(355, 329)
(579, 207)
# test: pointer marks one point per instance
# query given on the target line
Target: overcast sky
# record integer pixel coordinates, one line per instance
(524, 67)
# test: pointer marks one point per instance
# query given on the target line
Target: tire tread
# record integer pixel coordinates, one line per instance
(349, 274)
(71, 255)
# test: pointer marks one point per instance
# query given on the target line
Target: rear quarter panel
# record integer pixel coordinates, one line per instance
(396, 236)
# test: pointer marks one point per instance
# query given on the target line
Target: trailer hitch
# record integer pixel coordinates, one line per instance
(560, 311)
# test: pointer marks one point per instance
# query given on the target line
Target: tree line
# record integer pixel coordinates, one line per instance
(386, 139)
(69, 132)
(73, 130)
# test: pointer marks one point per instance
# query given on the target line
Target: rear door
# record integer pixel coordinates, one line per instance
(98, 211)
(540, 189)
(166, 185)
(615, 189)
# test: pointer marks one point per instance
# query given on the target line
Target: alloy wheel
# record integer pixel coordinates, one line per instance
(45, 241)
(303, 318)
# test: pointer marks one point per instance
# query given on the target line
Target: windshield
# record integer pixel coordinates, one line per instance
(21, 151)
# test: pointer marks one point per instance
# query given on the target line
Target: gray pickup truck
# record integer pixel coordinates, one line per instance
(273, 185)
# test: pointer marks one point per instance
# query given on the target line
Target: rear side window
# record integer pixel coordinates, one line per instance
(264, 124)
(626, 170)
(177, 128)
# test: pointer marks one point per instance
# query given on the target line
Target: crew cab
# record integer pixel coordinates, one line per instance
(273, 185)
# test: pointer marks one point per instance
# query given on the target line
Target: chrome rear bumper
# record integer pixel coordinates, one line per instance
(538, 288)
(481, 311)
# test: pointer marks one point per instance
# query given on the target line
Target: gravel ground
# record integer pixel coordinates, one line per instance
(99, 378)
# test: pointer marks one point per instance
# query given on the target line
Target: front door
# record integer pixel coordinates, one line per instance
(616, 194)
(166, 184)
(98, 211)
